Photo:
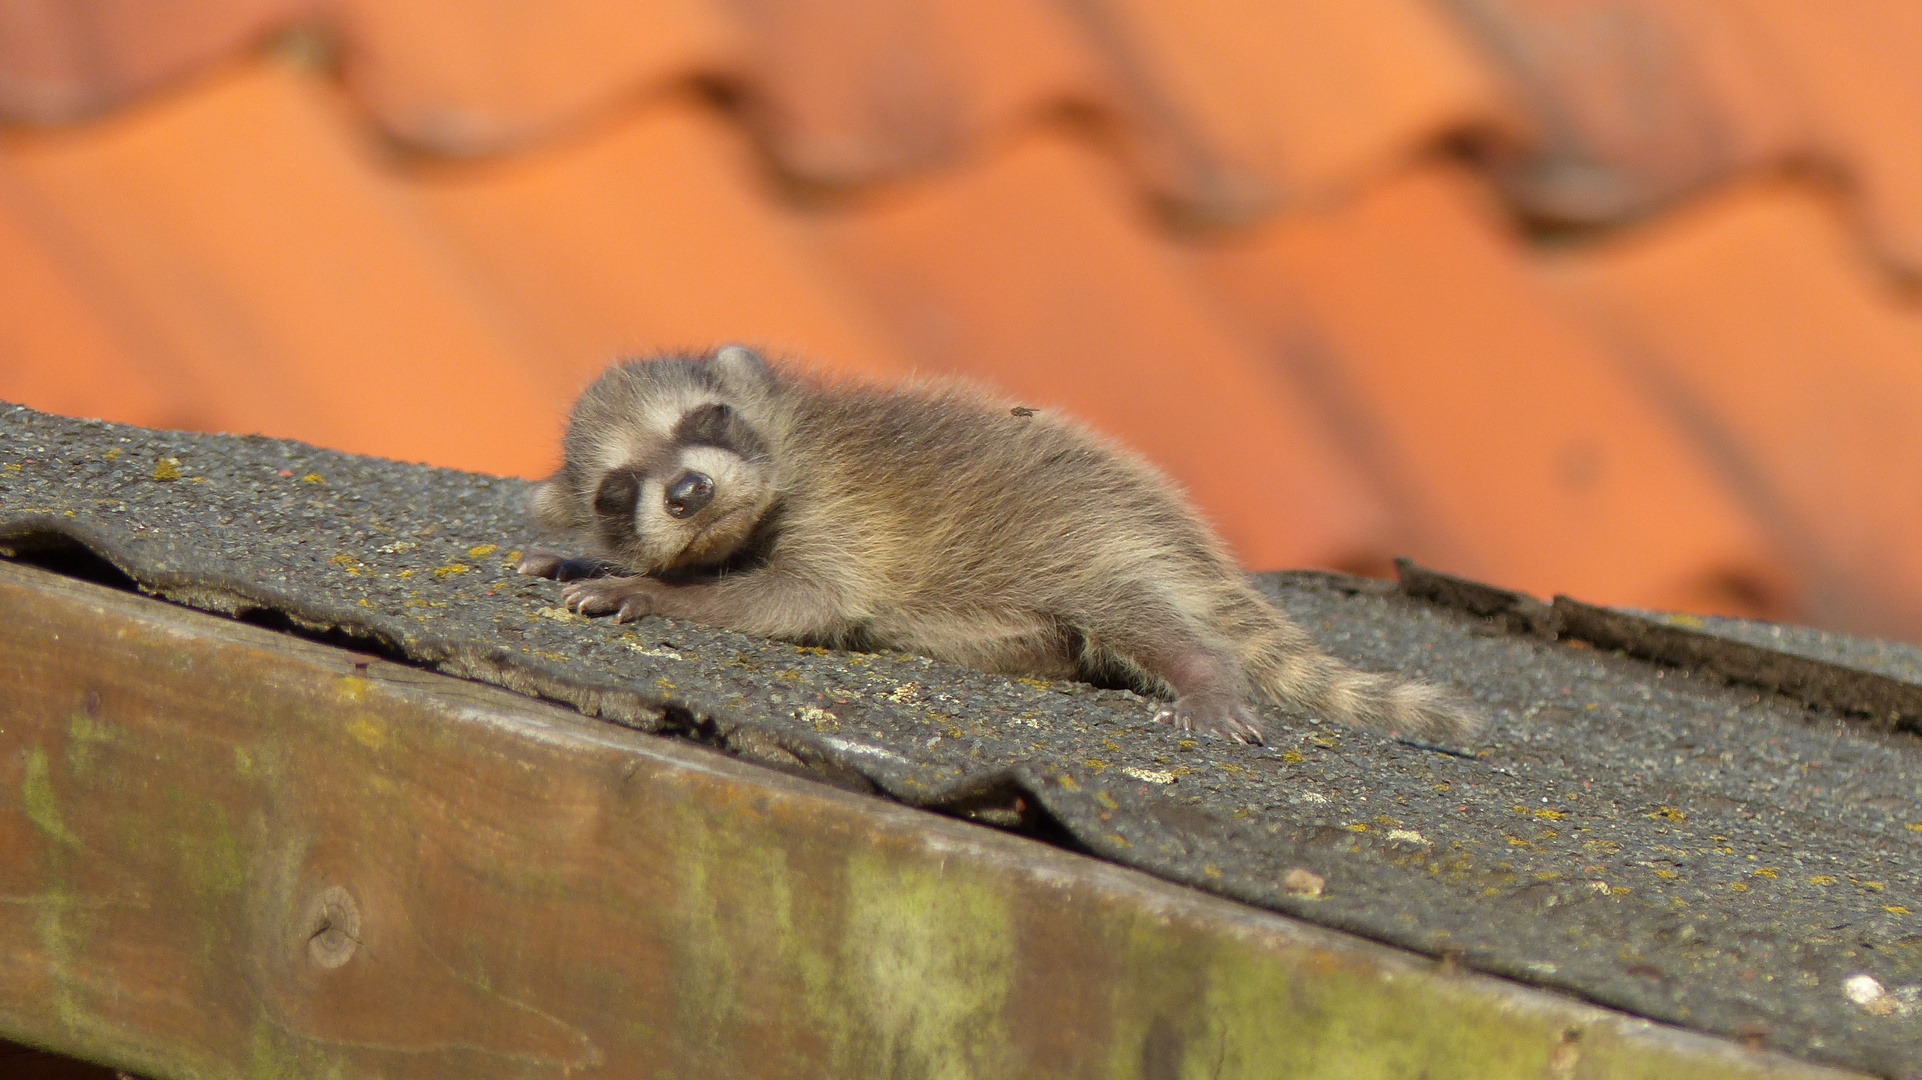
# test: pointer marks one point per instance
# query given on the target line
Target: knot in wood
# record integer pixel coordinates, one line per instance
(333, 927)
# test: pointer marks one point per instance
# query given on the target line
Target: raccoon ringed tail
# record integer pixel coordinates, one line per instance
(1321, 684)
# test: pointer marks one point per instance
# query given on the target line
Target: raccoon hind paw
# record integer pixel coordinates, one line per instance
(1213, 716)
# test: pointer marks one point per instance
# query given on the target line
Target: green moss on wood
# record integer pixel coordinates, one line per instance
(43, 807)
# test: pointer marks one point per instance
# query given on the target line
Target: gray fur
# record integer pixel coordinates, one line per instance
(932, 518)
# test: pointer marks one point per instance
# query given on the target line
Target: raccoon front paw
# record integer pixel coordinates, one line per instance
(548, 563)
(542, 562)
(1229, 719)
(628, 598)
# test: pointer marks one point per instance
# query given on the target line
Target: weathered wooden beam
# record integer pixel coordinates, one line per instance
(226, 852)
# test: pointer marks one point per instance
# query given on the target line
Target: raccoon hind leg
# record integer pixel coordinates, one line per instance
(1211, 695)
(1161, 656)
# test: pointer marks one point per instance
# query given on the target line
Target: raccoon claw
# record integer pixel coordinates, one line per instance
(626, 598)
(1231, 720)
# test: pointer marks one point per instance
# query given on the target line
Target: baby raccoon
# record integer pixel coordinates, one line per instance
(934, 519)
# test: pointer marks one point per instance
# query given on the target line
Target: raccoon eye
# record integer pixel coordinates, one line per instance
(617, 494)
(705, 426)
(686, 496)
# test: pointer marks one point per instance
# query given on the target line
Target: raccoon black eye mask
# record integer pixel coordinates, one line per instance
(935, 519)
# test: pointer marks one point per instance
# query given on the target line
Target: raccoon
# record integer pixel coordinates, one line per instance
(935, 519)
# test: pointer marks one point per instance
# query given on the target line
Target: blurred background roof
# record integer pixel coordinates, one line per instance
(1615, 298)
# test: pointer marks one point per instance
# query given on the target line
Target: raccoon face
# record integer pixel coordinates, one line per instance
(671, 479)
(691, 504)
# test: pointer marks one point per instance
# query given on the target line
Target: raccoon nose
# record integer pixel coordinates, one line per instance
(686, 496)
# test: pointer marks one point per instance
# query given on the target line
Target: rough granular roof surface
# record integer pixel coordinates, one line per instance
(1721, 856)
(1895, 659)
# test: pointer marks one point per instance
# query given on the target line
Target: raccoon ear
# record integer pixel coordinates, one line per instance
(741, 365)
(554, 505)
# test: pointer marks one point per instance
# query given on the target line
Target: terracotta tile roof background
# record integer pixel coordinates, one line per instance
(1608, 297)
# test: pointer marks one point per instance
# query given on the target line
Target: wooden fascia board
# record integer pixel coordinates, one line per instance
(230, 852)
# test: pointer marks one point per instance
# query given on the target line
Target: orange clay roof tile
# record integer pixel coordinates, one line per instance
(1225, 109)
(1502, 428)
(273, 271)
(1859, 64)
(850, 91)
(1235, 106)
(1032, 271)
(657, 232)
(1637, 102)
(1755, 319)
(61, 350)
(62, 61)
(478, 76)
